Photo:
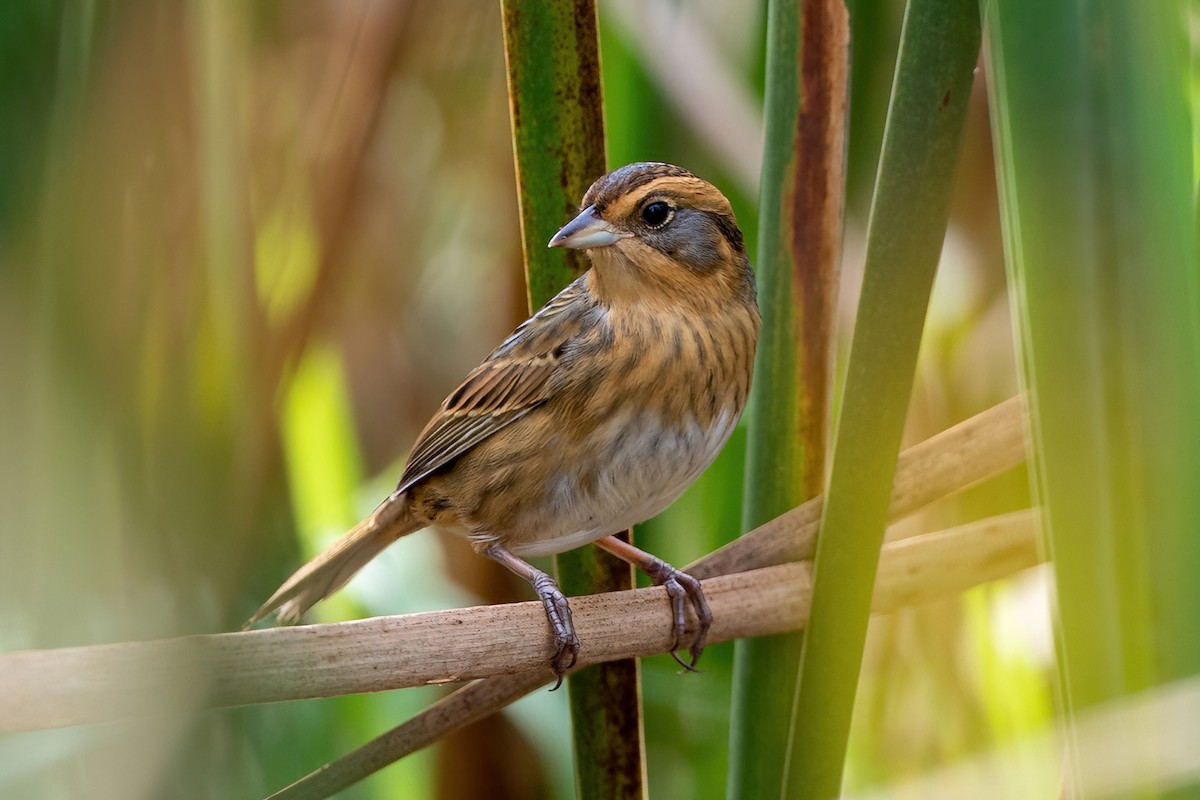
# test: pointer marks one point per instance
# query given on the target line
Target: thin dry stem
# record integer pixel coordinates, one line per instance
(91, 684)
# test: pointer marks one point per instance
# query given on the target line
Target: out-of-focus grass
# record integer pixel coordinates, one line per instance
(1093, 123)
(320, 452)
(909, 212)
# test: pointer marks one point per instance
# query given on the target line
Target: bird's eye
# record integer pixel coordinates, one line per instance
(656, 214)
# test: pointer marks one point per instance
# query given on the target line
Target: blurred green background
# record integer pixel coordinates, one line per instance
(246, 249)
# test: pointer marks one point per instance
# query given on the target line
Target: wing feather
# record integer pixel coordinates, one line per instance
(516, 378)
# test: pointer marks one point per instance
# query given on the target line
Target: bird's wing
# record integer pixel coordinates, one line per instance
(515, 379)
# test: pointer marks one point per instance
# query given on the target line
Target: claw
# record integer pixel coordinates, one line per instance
(680, 585)
(558, 612)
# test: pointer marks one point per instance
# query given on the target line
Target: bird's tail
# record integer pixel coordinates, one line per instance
(329, 571)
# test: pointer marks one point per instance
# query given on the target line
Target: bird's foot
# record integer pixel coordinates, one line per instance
(681, 586)
(558, 612)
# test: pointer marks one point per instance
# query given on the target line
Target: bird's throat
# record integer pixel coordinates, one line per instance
(616, 281)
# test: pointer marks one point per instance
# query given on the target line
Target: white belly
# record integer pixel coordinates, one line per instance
(647, 468)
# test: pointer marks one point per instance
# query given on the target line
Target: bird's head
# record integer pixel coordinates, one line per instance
(654, 227)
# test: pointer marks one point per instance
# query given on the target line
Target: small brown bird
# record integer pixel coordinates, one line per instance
(595, 414)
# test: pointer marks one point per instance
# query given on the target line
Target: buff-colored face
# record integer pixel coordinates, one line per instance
(657, 224)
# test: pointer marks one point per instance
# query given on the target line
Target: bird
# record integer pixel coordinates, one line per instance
(594, 415)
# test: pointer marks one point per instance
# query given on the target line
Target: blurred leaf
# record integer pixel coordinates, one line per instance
(938, 52)
(45, 53)
(285, 258)
(320, 446)
(1094, 152)
(634, 110)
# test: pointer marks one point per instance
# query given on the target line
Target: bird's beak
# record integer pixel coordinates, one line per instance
(587, 230)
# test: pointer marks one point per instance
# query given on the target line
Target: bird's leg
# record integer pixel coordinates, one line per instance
(566, 643)
(678, 585)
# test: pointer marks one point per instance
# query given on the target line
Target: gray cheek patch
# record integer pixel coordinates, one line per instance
(693, 238)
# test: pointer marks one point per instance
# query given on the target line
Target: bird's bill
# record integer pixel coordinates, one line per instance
(587, 230)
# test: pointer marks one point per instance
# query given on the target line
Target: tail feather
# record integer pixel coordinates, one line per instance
(330, 570)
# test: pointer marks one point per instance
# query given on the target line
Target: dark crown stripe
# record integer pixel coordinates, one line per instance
(628, 178)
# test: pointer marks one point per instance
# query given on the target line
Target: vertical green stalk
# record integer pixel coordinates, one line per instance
(552, 54)
(799, 247)
(1095, 161)
(938, 51)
